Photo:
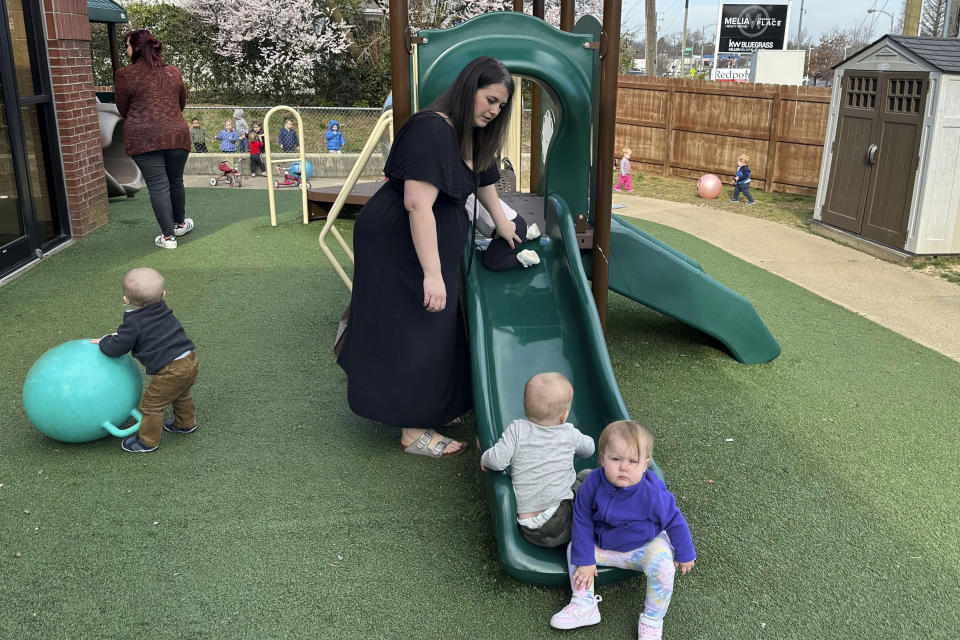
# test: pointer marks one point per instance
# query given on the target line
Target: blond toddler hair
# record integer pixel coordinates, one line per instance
(547, 397)
(633, 433)
(143, 286)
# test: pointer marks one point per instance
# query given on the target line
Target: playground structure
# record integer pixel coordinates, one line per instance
(524, 322)
(122, 173)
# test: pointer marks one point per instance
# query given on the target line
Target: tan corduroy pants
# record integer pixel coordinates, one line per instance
(171, 385)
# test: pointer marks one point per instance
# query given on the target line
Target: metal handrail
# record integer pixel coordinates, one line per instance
(384, 123)
(269, 163)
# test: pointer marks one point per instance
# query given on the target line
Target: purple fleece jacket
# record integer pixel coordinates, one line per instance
(626, 519)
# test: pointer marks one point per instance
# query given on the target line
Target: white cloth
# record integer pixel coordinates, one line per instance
(540, 519)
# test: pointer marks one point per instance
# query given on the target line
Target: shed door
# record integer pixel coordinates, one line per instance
(897, 158)
(850, 172)
(876, 153)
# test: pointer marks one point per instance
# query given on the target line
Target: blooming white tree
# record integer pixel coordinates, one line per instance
(441, 14)
(283, 43)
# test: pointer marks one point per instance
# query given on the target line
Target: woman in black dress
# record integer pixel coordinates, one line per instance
(405, 353)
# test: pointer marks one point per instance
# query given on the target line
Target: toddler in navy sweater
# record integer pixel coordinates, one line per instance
(625, 517)
(158, 341)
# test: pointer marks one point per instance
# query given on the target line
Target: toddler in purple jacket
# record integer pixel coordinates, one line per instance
(625, 517)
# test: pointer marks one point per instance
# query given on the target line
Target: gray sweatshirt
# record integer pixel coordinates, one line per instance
(540, 461)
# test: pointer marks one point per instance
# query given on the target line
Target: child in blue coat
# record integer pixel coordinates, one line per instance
(741, 182)
(228, 137)
(625, 517)
(334, 137)
(288, 139)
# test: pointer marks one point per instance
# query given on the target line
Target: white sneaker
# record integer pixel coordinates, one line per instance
(165, 243)
(579, 613)
(533, 232)
(528, 257)
(185, 229)
(648, 632)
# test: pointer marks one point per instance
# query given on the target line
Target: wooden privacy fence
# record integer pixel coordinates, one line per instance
(691, 127)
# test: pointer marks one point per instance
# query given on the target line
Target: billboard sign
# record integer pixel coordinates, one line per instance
(743, 29)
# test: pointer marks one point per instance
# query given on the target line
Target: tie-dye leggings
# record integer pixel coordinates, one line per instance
(655, 559)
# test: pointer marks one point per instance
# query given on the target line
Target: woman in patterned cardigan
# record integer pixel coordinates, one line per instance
(151, 96)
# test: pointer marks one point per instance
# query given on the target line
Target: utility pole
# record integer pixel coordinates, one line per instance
(800, 25)
(911, 18)
(651, 49)
(683, 39)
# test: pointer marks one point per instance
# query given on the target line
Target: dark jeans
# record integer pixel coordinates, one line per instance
(163, 172)
(257, 163)
(556, 531)
(744, 189)
(499, 256)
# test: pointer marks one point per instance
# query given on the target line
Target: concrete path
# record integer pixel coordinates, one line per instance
(922, 307)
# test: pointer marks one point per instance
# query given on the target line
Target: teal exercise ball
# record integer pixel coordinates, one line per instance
(295, 169)
(75, 393)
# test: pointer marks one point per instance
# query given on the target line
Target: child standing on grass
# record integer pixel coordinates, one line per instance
(624, 180)
(256, 155)
(288, 137)
(625, 517)
(539, 451)
(198, 135)
(741, 182)
(228, 137)
(159, 342)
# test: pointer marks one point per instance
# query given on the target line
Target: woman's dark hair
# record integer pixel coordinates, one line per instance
(482, 144)
(145, 46)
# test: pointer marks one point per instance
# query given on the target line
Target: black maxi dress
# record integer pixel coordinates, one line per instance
(405, 366)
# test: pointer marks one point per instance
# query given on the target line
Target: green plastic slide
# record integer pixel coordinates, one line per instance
(658, 276)
(527, 321)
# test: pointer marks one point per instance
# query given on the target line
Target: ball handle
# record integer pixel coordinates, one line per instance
(123, 433)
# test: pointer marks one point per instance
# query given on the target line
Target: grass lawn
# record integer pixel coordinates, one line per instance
(822, 488)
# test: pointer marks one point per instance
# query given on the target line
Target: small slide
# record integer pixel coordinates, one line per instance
(658, 276)
(123, 174)
(523, 322)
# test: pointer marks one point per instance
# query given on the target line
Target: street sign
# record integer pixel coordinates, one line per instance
(688, 50)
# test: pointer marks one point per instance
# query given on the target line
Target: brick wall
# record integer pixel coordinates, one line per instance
(68, 45)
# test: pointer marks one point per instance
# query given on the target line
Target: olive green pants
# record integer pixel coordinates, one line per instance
(171, 386)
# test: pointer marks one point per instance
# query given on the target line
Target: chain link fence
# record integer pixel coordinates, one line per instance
(356, 123)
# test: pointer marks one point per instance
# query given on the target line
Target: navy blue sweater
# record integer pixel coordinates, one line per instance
(743, 174)
(152, 333)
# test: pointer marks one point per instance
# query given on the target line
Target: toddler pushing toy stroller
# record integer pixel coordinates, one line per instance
(232, 174)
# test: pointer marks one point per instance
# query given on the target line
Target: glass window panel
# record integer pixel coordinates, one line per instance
(21, 48)
(40, 188)
(11, 226)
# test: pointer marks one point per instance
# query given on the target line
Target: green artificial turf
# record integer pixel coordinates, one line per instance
(821, 489)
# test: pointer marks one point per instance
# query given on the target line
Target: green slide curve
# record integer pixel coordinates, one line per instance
(658, 276)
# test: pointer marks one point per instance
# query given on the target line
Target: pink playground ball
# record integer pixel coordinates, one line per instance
(709, 186)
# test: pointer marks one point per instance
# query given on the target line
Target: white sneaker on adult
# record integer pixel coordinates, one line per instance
(528, 257)
(185, 229)
(165, 243)
(581, 612)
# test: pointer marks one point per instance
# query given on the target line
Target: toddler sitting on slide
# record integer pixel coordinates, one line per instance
(499, 256)
(539, 451)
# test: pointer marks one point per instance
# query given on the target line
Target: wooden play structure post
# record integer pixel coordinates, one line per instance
(606, 131)
(535, 150)
(400, 61)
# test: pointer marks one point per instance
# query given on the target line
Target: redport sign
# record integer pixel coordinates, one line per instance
(745, 28)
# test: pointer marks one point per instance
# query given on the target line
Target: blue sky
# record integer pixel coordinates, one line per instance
(819, 15)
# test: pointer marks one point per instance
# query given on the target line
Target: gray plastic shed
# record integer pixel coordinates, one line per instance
(891, 164)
